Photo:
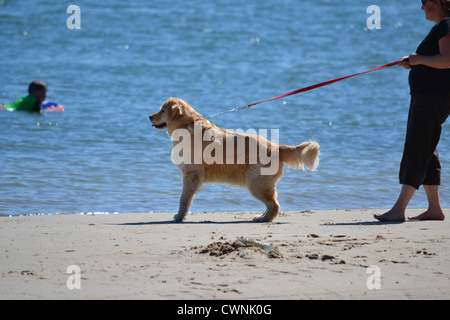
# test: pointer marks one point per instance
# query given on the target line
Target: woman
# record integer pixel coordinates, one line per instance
(429, 80)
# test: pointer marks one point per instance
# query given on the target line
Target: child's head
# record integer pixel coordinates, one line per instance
(38, 89)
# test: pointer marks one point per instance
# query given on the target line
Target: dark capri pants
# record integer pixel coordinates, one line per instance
(420, 163)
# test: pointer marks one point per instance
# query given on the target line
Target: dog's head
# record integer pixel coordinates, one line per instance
(174, 114)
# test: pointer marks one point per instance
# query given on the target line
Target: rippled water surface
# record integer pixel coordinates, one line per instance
(102, 155)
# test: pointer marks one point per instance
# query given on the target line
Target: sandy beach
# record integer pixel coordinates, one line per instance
(335, 254)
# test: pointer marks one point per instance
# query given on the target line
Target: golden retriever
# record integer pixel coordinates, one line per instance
(206, 154)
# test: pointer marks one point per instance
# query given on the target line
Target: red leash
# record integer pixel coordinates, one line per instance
(309, 88)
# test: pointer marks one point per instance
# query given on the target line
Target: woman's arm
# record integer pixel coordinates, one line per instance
(439, 61)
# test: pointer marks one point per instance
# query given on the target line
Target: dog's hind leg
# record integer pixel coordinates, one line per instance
(270, 200)
(268, 196)
(191, 184)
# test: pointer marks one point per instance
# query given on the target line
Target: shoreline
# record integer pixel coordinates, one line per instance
(325, 254)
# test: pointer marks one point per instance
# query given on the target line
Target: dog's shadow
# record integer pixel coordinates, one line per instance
(173, 222)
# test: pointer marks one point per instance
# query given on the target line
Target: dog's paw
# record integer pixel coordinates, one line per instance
(179, 217)
(261, 219)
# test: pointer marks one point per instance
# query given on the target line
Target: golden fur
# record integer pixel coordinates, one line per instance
(237, 169)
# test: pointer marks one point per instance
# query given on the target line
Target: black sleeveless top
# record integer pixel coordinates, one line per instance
(423, 79)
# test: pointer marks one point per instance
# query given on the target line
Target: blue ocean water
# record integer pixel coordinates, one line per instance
(102, 155)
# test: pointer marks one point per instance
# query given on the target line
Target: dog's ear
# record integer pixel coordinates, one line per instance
(181, 106)
(176, 110)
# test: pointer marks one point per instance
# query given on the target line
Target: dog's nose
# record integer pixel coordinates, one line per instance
(151, 118)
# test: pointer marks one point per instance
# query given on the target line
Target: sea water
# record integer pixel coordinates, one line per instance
(128, 57)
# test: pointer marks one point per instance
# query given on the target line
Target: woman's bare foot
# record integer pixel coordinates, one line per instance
(392, 215)
(397, 213)
(430, 215)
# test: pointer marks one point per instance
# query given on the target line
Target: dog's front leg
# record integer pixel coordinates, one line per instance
(191, 184)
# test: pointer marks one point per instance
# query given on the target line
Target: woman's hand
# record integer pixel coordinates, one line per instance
(405, 63)
(412, 60)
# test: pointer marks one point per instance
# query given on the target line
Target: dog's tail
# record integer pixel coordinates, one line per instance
(301, 156)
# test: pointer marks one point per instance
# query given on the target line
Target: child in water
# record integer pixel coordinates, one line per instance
(37, 92)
